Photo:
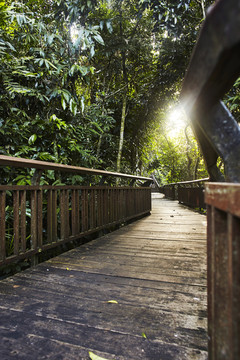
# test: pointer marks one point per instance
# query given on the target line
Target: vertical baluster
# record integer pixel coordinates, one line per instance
(220, 291)
(112, 199)
(116, 203)
(122, 206)
(23, 220)
(98, 208)
(110, 205)
(73, 212)
(101, 207)
(77, 212)
(149, 199)
(87, 209)
(107, 206)
(39, 218)
(63, 214)
(105, 201)
(50, 216)
(126, 194)
(91, 209)
(16, 222)
(210, 278)
(67, 212)
(137, 201)
(235, 234)
(54, 215)
(144, 200)
(81, 211)
(133, 200)
(84, 210)
(141, 200)
(131, 192)
(130, 199)
(2, 225)
(33, 219)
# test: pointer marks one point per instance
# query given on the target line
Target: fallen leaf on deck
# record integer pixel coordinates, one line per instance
(144, 335)
(112, 302)
(95, 357)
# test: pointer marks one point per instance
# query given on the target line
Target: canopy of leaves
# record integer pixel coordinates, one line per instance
(66, 65)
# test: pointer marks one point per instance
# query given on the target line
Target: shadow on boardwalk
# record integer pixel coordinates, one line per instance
(153, 269)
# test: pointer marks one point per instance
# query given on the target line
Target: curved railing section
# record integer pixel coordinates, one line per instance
(190, 193)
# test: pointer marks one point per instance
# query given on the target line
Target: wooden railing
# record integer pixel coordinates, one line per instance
(190, 193)
(37, 218)
(223, 213)
(213, 69)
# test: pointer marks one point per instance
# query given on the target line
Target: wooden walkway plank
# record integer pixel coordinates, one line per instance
(154, 268)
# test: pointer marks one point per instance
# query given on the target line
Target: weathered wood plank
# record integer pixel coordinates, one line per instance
(60, 308)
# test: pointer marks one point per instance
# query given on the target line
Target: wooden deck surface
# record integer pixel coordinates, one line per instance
(155, 269)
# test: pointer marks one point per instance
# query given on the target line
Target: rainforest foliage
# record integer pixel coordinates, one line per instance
(92, 83)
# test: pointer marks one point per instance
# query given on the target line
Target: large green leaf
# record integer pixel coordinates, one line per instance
(96, 357)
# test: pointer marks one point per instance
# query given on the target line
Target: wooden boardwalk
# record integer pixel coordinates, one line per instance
(153, 269)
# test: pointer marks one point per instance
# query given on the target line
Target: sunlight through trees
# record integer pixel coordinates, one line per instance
(96, 83)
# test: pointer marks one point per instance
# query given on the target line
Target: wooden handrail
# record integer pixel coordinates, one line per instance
(213, 69)
(192, 196)
(45, 165)
(188, 182)
(61, 214)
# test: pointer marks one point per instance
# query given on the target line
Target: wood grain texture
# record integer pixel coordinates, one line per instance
(154, 268)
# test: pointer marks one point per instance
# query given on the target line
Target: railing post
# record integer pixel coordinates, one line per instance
(2, 225)
(223, 270)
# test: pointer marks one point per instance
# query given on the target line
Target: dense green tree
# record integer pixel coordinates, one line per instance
(84, 82)
(45, 51)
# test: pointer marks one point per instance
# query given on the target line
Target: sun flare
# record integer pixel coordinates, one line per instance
(176, 121)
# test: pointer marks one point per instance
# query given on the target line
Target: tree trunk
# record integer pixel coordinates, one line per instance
(99, 146)
(188, 149)
(196, 169)
(121, 137)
